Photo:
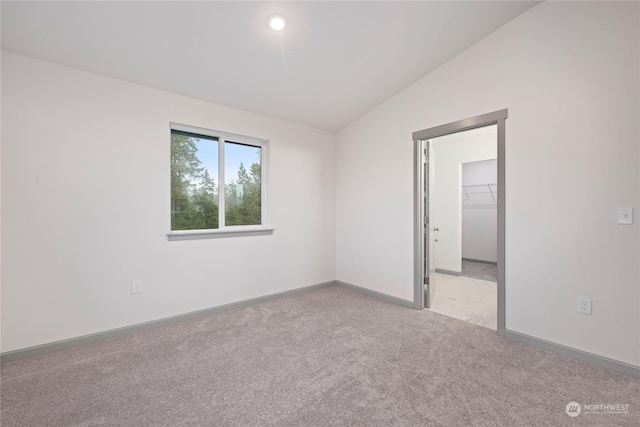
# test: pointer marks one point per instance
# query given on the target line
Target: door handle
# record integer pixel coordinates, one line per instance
(436, 228)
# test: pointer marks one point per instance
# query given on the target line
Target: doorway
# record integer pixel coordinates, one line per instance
(465, 224)
(433, 234)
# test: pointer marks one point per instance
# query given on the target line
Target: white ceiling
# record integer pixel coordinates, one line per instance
(334, 62)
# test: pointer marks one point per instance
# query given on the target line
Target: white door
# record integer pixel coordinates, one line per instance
(431, 230)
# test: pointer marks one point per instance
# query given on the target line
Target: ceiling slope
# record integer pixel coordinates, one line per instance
(334, 62)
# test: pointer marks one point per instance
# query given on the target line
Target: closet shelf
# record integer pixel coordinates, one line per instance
(479, 195)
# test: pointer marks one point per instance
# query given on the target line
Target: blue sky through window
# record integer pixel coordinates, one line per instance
(234, 155)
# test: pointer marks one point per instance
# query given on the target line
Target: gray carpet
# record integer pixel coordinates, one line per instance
(480, 270)
(327, 357)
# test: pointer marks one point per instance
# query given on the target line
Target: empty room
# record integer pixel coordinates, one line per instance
(233, 213)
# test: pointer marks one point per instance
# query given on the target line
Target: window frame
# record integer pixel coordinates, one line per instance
(224, 230)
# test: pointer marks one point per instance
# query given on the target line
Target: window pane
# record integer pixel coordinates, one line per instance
(194, 171)
(243, 184)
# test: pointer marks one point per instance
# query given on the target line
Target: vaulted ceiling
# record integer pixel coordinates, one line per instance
(332, 63)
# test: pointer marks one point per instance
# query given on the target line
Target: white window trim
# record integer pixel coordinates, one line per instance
(234, 230)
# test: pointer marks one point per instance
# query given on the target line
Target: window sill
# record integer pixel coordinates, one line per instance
(215, 234)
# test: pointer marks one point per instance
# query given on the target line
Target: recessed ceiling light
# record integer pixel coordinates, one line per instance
(277, 22)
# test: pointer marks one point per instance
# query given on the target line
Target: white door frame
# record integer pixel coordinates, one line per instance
(495, 118)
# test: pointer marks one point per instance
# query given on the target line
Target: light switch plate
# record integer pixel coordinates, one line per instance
(625, 216)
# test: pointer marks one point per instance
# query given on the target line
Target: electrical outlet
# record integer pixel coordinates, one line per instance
(584, 305)
(136, 286)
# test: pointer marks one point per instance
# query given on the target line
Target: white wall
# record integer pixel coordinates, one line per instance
(450, 152)
(480, 218)
(568, 73)
(85, 207)
(480, 173)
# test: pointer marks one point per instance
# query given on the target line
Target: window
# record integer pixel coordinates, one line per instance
(218, 182)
